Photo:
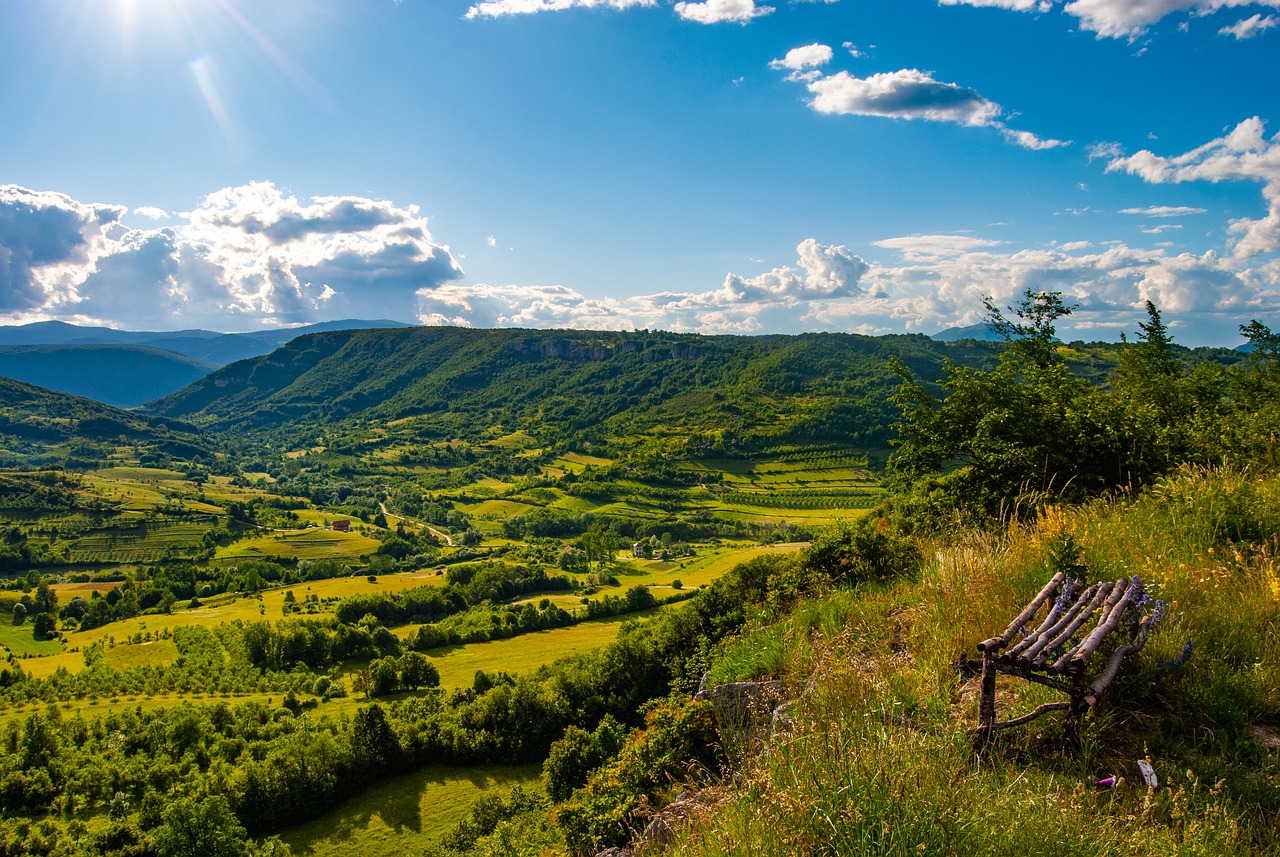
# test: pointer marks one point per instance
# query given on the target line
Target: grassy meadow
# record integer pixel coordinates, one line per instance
(404, 813)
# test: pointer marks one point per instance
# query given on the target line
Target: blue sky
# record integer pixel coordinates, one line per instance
(722, 166)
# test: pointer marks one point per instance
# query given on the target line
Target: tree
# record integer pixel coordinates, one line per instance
(46, 600)
(44, 626)
(1262, 342)
(1002, 440)
(373, 742)
(577, 754)
(1033, 335)
(416, 671)
(19, 613)
(200, 827)
(600, 543)
(383, 678)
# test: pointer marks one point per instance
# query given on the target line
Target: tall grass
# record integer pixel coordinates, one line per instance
(878, 762)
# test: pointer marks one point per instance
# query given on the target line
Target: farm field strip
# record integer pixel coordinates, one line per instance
(405, 814)
(458, 664)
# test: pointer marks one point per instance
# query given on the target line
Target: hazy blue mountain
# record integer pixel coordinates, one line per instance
(981, 332)
(121, 375)
(209, 346)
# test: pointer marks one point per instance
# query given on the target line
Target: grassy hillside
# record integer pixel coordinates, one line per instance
(876, 760)
(456, 382)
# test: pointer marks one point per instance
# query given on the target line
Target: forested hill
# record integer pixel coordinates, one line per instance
(40, 427)
(586, 385)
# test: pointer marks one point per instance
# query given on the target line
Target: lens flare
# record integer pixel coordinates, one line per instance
(205, 71)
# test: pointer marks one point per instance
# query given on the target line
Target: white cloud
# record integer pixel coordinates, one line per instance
(151, 212)
(498, 8)
(491, 241)
(255, 254)
(1163, 227)
(940, 283)
(805, 57)
(246, 255)
(1243, 154)
(1247, 28)
(485, 305)
(48, 242)
(722, 11)
(916, 247)
(1104, 150)
(1164, 211)
(905, 94)
(1027, 140)
(1016, 5)
(1130, 18)
(825, 271)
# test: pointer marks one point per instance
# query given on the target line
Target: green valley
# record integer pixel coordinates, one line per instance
(450, 591)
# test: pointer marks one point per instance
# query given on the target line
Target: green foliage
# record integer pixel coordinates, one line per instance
(200, 828)
(41, 427)
(567, 386)
(489, 814)
(577, 753)
(1004, 440)
(867, 549)
(677, 745)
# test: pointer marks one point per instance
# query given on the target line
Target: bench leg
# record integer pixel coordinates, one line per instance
(987, 702)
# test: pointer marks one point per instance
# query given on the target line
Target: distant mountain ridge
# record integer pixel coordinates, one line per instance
(126, 368)
(208, 346)
(121, 375)
(980, 332)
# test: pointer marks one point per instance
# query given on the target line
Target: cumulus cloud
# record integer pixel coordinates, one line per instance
(1016, 5)
(905, 94)
(245, 255)
(1128, 19)
(151, 212)
(926, 246)
(1243, 154)
(1164, 211)
(932, 282)
(722, 11)
(498, 8)
(1247, 28)
(804, 58)
(47, 241)
(1131, 18)
(485, 305)
(742, 304)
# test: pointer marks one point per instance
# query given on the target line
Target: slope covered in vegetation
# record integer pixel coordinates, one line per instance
(556, 385)
(41, 427)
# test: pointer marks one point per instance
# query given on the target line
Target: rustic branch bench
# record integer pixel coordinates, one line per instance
(1057, 652)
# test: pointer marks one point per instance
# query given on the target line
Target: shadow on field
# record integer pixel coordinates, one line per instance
(404, 813)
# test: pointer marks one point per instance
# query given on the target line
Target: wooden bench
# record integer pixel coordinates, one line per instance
(1058, 651)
